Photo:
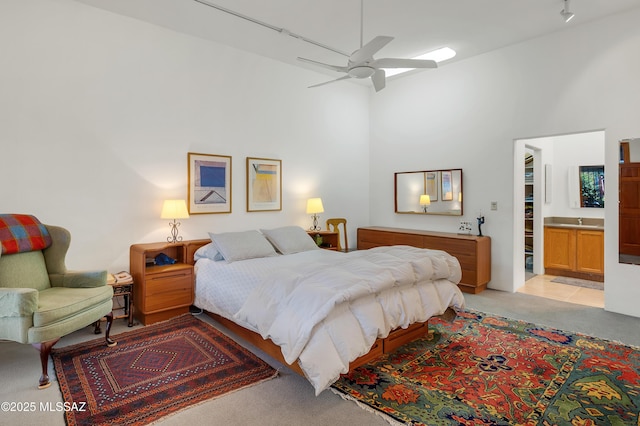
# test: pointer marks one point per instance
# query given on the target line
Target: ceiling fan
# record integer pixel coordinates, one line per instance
(361, 63)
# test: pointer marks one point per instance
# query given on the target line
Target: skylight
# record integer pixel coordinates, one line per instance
(438, 55)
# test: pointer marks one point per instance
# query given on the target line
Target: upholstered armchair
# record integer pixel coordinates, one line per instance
(40, 300)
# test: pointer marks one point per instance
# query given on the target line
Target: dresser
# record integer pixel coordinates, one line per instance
(473, 252)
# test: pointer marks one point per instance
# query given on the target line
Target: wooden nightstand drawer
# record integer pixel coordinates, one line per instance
(169, 291)
(166, 278)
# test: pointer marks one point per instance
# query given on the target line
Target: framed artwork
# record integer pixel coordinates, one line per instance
(431, 185)
(264, 184)
(447, 189)
(209, 183)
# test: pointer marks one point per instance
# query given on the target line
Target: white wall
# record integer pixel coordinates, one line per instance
(99, 111)
(469, 113)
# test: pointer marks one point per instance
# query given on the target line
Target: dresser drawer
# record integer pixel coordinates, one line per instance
(169, 290)
(368, 239)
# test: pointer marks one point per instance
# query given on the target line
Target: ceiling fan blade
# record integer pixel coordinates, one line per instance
(403, 63)
(331, 81)
(323, 65)
(368, 50)
(379, 80)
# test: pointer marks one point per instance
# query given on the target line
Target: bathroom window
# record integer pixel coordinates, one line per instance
(592, 186)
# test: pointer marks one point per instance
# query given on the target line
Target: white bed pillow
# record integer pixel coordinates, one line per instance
(208, 251)
(290, 239)
(242, 245)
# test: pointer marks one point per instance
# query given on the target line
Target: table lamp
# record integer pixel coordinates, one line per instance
(174, 209)
(314, 206)
(425, 201)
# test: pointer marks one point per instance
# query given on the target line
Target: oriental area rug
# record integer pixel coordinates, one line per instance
(153, 372)
(487, 370)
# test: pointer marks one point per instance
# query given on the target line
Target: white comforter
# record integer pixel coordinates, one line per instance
(325, 308)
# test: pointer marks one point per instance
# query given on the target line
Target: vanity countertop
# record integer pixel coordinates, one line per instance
(575, 223)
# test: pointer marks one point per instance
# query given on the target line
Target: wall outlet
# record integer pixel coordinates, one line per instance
(494, 205)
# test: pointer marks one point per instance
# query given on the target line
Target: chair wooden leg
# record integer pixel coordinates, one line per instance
(109, 341)
(45, 351)
(96, 327)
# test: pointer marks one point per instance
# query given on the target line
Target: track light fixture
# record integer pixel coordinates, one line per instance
(566, 13)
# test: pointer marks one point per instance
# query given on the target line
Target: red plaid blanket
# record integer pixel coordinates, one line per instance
(21, 232)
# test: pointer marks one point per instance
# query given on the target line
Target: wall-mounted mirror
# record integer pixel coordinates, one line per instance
(629, 205)
(436, 192)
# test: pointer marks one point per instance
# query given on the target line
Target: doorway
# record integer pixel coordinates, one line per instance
(543, 170)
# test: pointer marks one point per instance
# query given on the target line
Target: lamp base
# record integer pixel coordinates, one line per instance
(174, 237)
(315, 226)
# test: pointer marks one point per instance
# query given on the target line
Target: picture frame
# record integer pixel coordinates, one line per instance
(431, 185)
(264, 184)
(447, 187)
(209, 178)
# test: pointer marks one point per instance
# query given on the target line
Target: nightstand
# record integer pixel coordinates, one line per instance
(329, 239)
(161, 291)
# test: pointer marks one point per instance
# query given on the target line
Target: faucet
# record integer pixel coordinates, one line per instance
(579, 221)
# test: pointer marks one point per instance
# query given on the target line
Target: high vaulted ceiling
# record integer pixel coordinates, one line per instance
(470, 27)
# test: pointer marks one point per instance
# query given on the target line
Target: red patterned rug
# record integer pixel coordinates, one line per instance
(487, 370)
(154, 371)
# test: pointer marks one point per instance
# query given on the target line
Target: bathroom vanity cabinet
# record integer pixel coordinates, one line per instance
(574, 252)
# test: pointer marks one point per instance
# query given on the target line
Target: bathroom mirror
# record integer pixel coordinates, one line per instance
(437, 192)
(629, 202)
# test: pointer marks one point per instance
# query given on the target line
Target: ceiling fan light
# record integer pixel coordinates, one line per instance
(361, 72)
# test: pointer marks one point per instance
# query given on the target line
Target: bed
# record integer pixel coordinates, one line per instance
(322, 311)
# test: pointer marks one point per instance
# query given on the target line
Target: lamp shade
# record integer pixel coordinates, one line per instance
(425, 200)
(314, 205)
(174, 209)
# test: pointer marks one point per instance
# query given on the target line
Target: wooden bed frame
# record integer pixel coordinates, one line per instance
(395, 339)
